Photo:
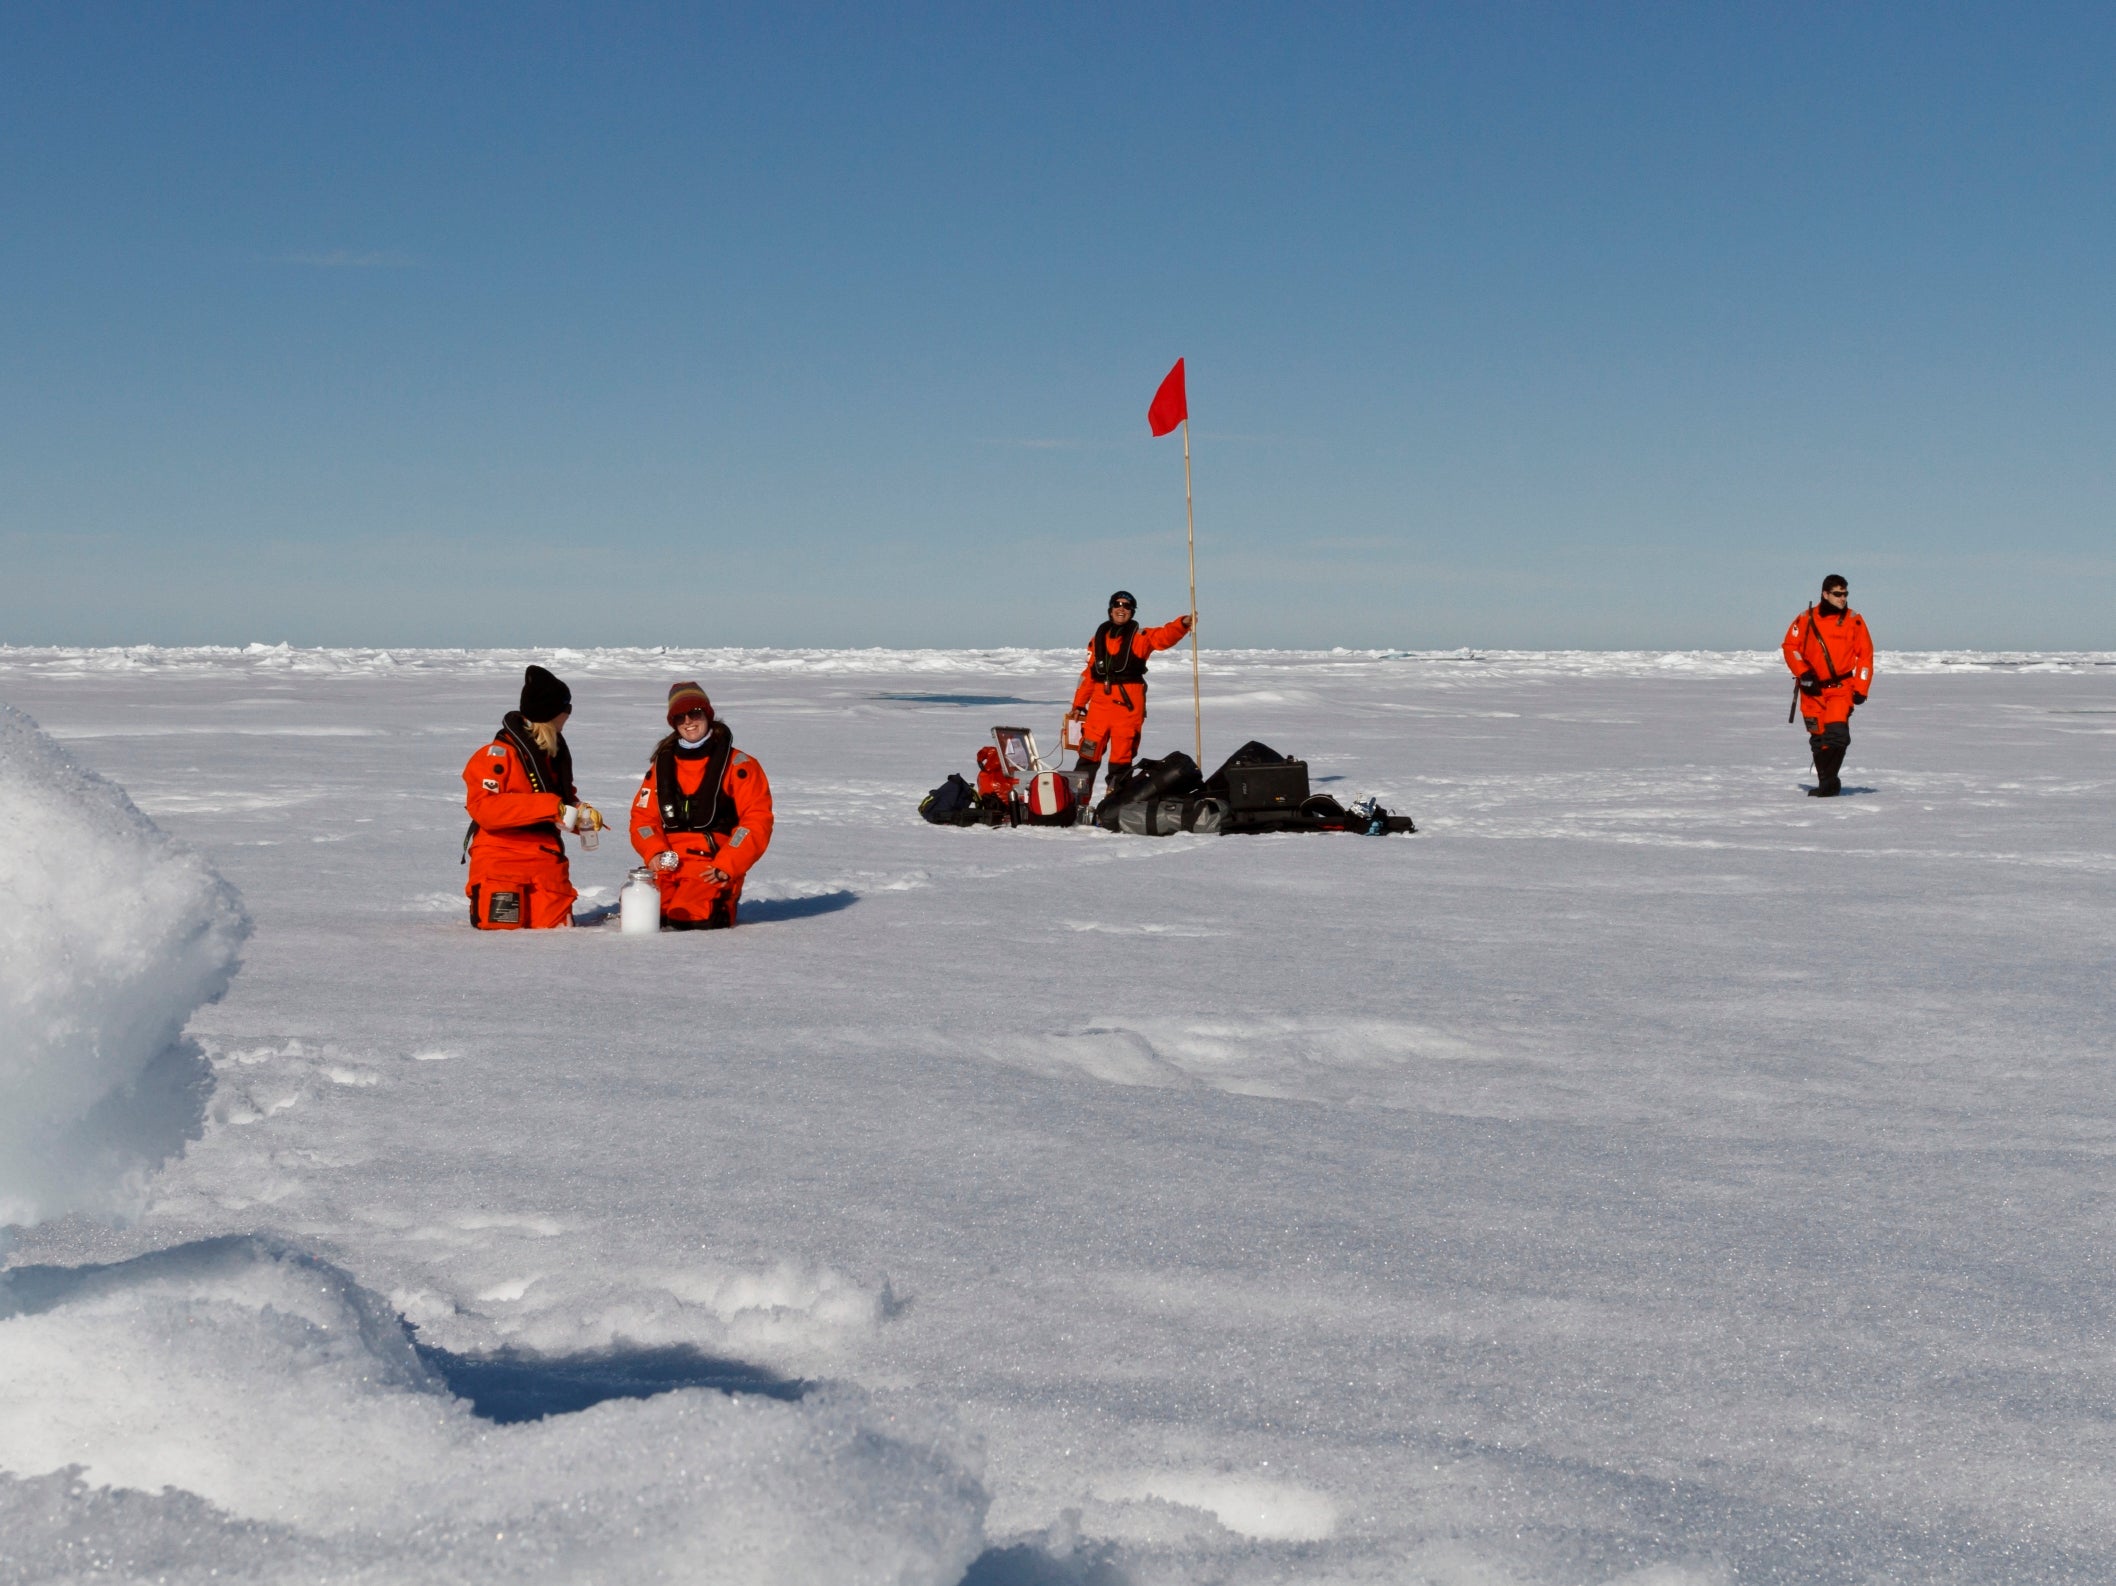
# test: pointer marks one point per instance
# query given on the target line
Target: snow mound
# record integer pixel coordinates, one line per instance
(298, 1432)
(110, 936)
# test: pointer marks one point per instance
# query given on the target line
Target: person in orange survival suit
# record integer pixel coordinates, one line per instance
(1832, 657)
(992, 778)
(519, 791)
(1111, 698)
(703, 816)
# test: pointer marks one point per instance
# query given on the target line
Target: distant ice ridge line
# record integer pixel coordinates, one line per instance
(656, 661)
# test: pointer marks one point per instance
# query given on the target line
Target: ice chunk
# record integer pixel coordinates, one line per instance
(110, 936)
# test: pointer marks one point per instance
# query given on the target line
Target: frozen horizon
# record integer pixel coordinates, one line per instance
(86, 660)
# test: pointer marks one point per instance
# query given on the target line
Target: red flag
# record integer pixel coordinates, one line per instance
(1170, 405)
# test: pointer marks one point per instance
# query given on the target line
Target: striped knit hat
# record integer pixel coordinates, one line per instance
(685, 698)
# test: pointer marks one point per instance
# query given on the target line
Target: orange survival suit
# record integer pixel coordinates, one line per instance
(992, 775)
(710, 805)
(1112, 691)
(1831, 655)
(516, 795)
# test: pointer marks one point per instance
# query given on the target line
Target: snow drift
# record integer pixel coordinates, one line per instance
(238, 1409)
(110, 936)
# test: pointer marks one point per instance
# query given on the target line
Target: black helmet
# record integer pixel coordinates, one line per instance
(1124, 597)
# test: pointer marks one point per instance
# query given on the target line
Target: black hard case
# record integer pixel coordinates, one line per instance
(1267, 787)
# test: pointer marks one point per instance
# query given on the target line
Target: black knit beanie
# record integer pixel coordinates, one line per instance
(544, 697)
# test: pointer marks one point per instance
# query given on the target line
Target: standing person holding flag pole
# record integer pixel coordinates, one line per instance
(1170, 408)
(1109, 706)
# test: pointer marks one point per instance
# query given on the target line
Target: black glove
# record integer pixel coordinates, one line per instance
(1858, 699)
(1810, 684)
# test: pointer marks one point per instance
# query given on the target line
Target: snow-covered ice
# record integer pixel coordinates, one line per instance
(1645, 1174)
(110, 937)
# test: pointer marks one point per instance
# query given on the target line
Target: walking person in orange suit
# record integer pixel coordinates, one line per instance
(1831, 656)
(1111, 699)
(703, 816)
(519, 792)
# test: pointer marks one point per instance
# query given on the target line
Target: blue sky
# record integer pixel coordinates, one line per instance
(1506, 325)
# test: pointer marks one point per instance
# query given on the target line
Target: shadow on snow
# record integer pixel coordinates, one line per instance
(509, 1386)
(963, 699)
(1023, 1565)
(762, 911)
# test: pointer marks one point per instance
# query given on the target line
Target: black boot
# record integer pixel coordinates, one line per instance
(1119, 774)
(1829, 760)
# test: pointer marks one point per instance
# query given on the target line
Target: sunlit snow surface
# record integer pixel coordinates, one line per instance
(1645, 1173)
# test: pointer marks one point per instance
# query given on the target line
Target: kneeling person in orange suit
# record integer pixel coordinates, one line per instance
(703, 816)
(1111, 699)
(519, 791)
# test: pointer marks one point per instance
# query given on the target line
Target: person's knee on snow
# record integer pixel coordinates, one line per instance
(703, 816)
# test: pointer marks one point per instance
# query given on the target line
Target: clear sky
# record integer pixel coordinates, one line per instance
(1507, 325)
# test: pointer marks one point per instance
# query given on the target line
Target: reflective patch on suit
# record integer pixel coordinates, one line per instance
(497, 751)
(506, 909)
(644, 831)
(738, 836)
(492, 784)
(646, 797)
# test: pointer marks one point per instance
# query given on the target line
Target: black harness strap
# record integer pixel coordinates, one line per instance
(706, 810)
(1126, 666)
(1121, 671)
(1835, 677)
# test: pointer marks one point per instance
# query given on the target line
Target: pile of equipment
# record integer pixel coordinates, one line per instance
(1016, 786)
(1257, 790)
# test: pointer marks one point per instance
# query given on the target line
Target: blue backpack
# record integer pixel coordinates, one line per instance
(953, 803)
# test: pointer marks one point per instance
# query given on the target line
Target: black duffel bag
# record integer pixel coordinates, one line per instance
(1173, 776)
(953, 803)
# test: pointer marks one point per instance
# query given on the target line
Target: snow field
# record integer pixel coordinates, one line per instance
(1647, 1174)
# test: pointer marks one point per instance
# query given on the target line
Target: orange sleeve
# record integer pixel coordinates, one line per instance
(1086, 690)
(1148, 640)
(644, 822)
(1862, 658)
(747, 785)
(494, 793)
(1795, 647)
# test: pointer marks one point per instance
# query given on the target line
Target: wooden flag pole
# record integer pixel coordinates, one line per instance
(1190, 525)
